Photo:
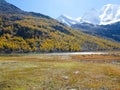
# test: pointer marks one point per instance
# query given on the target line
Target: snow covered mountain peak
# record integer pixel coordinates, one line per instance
(108, 14)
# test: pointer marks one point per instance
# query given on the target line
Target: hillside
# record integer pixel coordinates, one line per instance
(110, 31)
(21, 33)
(9, 8)
(33, 32)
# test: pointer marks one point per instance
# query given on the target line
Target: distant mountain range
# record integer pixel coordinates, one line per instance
(109, 14)
(104, 23)
(23, 32)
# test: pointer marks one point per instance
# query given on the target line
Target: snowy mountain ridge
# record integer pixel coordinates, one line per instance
(67, 20)
(108, 14)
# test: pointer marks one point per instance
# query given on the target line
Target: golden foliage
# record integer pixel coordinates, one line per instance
(20, 33)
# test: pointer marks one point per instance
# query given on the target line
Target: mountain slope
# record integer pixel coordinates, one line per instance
(111, 31)
(34, 32)
(9, 8)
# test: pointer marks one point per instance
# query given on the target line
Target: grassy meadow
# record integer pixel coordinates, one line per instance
(60, 72)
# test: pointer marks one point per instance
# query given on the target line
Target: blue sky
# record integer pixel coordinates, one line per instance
(54, 8)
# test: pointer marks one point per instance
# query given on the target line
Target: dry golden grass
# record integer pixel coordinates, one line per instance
(46, 72)
(96, 57)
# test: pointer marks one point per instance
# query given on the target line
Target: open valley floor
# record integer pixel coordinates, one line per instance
(60, 72)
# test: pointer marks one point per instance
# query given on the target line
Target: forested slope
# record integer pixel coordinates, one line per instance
(26, 33)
